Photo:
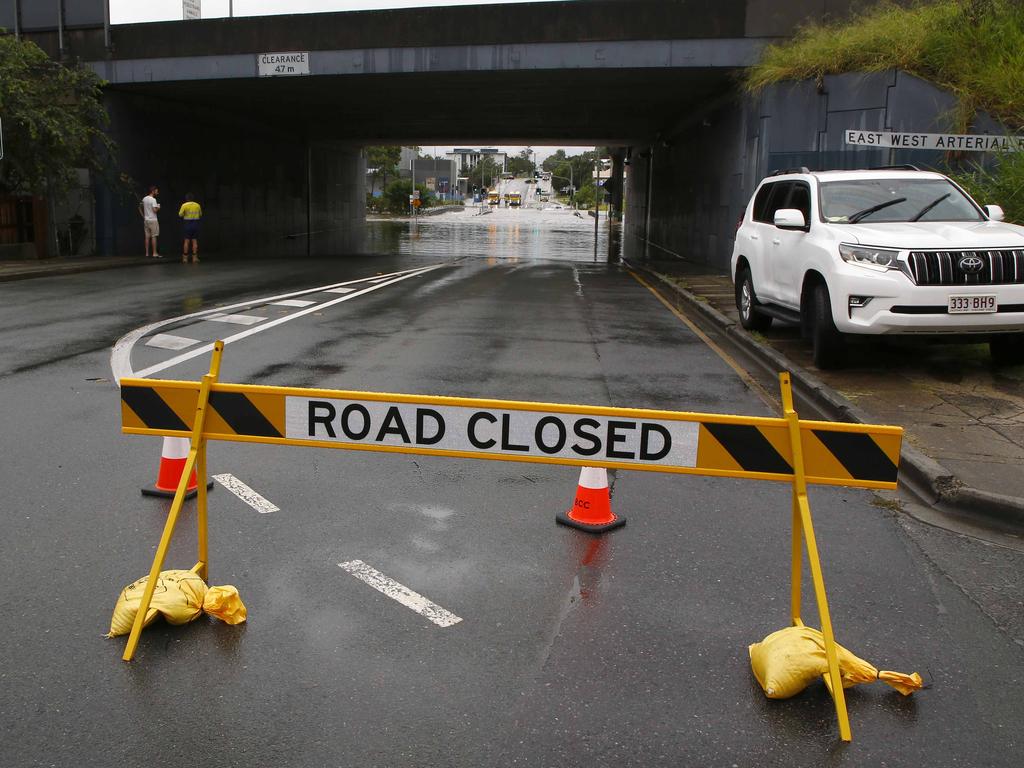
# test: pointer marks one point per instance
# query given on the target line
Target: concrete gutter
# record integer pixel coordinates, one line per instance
(921, 475)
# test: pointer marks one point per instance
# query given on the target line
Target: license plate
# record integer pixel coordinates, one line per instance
(972, 304)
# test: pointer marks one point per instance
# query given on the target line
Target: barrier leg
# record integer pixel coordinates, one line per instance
(198, 446)
(797, 569)
(204, 560)
(802, 506)
(158, 560)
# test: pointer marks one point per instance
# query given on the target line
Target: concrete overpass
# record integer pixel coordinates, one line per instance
(278, 157)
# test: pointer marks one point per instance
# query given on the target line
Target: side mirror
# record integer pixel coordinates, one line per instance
(790, 218)
(995, 213)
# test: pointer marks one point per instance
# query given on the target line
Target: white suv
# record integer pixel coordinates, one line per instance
(887, 251)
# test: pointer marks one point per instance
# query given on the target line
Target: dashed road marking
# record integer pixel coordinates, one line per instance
(246, 494)
(344, 290)
(236, 319)
(400, 593)
(293, 303)
(167, 341)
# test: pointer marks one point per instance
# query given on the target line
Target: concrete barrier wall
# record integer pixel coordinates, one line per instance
(262, 193)
(687, 191)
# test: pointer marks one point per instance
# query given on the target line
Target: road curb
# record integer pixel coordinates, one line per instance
(921, 474)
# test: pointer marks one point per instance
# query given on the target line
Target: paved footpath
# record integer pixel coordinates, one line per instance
(964, 416)
(29, 268)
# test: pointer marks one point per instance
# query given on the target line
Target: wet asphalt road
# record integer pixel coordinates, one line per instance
(624, 650)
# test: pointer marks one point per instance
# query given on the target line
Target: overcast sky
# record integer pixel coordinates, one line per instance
(133, 11)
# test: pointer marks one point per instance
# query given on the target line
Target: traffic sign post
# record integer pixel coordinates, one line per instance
(783, 449)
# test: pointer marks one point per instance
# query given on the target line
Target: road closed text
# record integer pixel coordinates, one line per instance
(474, 430)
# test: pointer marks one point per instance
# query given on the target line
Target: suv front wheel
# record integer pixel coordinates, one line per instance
(828, 343)
(746, 303)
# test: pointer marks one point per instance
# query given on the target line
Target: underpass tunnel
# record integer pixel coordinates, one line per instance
(279, 163)
(278, 160)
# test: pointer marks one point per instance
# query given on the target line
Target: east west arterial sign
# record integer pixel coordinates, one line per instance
(282, 64)
(943, 141)
(857, 455)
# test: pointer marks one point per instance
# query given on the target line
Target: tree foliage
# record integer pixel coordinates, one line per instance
(53, 122)
(383, 162)
(579, 169)
(484, 173)
(521, 164)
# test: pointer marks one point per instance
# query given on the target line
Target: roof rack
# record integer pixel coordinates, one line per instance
(783, 171)
(904, 167)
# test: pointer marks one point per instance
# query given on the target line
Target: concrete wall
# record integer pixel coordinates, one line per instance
(263, 194)
(687, 191)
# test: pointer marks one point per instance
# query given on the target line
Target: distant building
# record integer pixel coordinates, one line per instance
(467, 159)
(439, 175)
(408, 153)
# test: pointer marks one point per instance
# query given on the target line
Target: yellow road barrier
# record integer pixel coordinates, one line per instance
(782, 449)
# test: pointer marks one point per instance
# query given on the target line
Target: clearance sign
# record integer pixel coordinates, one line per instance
(856, 455)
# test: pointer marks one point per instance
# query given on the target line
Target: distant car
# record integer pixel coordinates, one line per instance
(877, 252)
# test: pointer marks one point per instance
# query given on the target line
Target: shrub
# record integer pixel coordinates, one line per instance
(973, 48)
(1001, 183)
(396, 196)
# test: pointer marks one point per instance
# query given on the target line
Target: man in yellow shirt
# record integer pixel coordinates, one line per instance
(190, 213)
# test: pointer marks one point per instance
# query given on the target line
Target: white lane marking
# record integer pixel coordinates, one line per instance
(220, 317)
(273, 324)
(246, 494)
(401, 593)
(167, 341)
(121, 352)
(292, 303)
(344, 290)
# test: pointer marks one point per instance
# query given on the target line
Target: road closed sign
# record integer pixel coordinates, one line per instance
(858, 455)
(489, 430)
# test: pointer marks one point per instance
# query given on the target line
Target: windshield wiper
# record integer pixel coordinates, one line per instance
(855, 217)
(930, 205)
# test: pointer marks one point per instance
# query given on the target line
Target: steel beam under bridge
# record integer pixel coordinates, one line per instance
(572, 93)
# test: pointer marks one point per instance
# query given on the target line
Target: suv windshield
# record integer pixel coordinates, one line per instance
(894, 199)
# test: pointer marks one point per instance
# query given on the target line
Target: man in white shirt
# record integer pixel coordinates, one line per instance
(151, 225)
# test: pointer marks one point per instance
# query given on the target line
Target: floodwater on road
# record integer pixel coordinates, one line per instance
(499, 233)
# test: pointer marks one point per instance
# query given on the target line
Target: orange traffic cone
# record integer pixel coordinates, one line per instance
(592, 509)
(172, 463)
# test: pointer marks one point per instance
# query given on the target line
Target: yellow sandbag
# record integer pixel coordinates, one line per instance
(786, 662)
(226, 604)
(179, 596)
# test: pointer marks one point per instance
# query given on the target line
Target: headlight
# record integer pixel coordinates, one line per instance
(866, 256)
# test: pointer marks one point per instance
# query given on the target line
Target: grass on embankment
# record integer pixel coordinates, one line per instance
(973, 48)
